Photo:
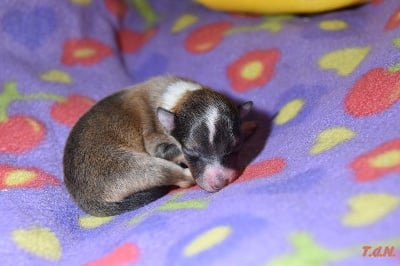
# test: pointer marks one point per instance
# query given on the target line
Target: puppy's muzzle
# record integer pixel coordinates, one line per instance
(215, 177)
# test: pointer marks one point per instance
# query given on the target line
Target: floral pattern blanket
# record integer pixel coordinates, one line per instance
(322, 185)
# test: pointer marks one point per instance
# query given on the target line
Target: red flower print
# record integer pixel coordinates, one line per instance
(69, 111)
(131, 41)
(13, 177)
(384, 159)
(254, 69)
(207, 37)
(394, 20)
(263, 169)
(116, 7)
(374, 92)
(84, 52)
(126, 254)
(20, 133)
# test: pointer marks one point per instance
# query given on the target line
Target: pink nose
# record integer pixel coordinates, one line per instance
(218, 183)
(216, 177)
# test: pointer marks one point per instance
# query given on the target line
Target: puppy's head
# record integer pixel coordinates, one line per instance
(210, 129)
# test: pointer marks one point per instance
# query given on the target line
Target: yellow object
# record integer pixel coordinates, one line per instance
(387, 159)
(344, 61)
(366, 209)
(333, 25)
(330, 138)
(279, 6)
(207, 240)
(19, 177)
(183, 22)
(55, 75)
(39, 241)
(289, 111)
(90, 222)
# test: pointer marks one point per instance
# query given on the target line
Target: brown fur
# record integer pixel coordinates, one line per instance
(110, 153)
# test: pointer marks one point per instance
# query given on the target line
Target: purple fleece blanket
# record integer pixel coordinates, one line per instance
(322, 186)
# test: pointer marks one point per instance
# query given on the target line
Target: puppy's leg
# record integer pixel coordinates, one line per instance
(144, 172)
(153, 139)
(164, 147)
(171, 152)
(131, 182)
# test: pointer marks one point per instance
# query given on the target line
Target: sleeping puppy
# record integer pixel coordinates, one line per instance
(131, 147)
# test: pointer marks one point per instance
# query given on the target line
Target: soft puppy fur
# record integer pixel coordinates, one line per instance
(131, 147)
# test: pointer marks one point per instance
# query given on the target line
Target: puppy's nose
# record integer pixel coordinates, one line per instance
(219, 182)
(216, 177)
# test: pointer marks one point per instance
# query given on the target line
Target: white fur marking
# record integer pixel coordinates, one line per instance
(175, 91)
(212, 117)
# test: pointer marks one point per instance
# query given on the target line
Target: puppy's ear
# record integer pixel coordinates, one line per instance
(247, 129)
(245, 108)
(166, 118)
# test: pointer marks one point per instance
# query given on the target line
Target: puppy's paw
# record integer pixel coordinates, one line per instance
(188, 173)
(181, 161)
(185, 183)
(187, 180)
(167, 151)
(171, 152)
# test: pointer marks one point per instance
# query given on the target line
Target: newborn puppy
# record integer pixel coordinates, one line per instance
(131, 147)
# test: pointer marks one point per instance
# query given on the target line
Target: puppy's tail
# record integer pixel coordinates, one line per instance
(135, 201)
